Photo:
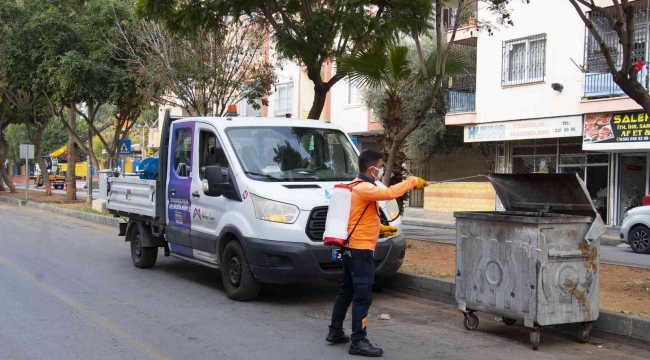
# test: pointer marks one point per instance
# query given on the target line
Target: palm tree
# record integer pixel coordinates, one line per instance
(392, 71)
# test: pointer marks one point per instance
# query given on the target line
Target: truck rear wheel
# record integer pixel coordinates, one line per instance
(143, 257)
(236, 274)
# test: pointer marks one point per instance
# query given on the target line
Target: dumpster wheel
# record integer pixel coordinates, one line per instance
(509, 321)
(534, 338)
(471, 321)
(584, 334)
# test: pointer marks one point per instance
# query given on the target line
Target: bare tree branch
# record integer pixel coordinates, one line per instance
(599, 39)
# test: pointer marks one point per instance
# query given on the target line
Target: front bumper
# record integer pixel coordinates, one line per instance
(284, 262)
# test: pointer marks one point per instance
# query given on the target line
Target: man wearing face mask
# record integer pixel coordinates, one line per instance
(358, 254)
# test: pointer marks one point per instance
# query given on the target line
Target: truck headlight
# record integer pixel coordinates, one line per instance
(269, 210)
(392, 209)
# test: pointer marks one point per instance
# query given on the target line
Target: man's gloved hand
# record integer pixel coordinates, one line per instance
(421, 184)
(388, 231)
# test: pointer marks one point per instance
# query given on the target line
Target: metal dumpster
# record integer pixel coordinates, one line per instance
(538, 261)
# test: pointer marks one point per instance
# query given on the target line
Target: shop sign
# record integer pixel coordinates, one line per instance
(525, 129)
(607, 131)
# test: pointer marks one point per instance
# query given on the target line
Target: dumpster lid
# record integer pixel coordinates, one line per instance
(554, 193)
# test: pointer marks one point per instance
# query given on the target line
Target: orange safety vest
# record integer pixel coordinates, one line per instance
(364, 195)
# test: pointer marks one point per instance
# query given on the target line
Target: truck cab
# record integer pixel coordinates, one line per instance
(248, 196)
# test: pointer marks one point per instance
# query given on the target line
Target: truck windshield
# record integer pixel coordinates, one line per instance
(294, 153)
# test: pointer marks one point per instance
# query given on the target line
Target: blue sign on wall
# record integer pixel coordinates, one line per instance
(125, 147)
(354, 141)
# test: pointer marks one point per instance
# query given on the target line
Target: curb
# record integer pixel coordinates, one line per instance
(424, 223)
(101, 219)
(16, 202)
(425, 287)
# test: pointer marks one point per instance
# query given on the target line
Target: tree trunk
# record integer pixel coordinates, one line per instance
(320, 96)
(36, 138)
(320, 89)
(4, 176)
(41, 163)
(394, 155)
(70, 176)
(392, 125)
(634, 90)
(89, 172)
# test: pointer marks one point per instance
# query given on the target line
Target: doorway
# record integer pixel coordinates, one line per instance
(633, 171)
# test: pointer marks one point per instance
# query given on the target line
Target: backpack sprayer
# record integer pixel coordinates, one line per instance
(338, 214)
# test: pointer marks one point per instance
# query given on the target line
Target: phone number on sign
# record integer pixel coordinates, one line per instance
(633, 138)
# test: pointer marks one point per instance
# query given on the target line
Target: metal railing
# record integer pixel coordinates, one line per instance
(461, 101)
(598, 81)
(603, 85)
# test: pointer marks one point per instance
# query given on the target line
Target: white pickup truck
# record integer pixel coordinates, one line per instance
(248, 196)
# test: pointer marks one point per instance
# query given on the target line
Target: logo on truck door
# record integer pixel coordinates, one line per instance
(197, 213)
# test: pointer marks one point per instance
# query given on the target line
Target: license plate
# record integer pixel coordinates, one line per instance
(336, 255)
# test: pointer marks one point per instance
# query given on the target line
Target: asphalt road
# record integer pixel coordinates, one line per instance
(68, 290)
(608, 254)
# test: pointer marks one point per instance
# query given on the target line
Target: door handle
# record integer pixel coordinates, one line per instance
(196, 194)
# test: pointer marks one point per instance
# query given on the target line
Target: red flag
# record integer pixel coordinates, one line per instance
(639, 66)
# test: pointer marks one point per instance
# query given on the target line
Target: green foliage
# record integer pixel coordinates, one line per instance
(395, 75)
(54, 137)
(303, 31)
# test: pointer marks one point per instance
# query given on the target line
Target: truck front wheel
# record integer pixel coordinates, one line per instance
(236, 274)
(143, 257)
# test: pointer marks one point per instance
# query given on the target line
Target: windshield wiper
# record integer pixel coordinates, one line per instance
(264, 175)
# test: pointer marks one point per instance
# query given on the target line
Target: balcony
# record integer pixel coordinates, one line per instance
(599, 85)
(461, 87)
(467, 20)
(598, 82)
(460, 102)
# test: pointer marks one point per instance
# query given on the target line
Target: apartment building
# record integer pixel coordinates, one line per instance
(542, 94)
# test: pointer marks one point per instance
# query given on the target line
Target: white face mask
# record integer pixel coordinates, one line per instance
(380, 174)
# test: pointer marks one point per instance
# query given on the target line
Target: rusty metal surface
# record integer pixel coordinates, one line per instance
(523, 217)
(537, 262)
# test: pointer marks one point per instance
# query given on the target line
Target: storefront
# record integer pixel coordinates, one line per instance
(625, 137)
(553, 145)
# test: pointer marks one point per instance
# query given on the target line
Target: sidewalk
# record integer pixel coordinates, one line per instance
(421, 217)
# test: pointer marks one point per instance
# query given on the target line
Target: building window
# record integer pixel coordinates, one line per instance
(354, 97)
(524, 61)
(249, 110)
(283, 99)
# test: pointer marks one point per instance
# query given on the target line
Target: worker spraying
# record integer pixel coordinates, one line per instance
(357, 251)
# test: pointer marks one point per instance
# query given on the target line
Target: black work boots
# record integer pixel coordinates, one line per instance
(362, 347)
(337, 337)
(365, 348)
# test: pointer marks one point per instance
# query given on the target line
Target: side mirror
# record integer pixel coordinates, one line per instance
(213, 184)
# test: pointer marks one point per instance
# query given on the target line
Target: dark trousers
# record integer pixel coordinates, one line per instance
(356, 289)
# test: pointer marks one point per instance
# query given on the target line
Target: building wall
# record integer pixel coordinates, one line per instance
(565, 35)
(352, 117)
(459, 196)
(288, 72)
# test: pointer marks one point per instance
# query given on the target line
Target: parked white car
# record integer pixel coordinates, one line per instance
(635, 230)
